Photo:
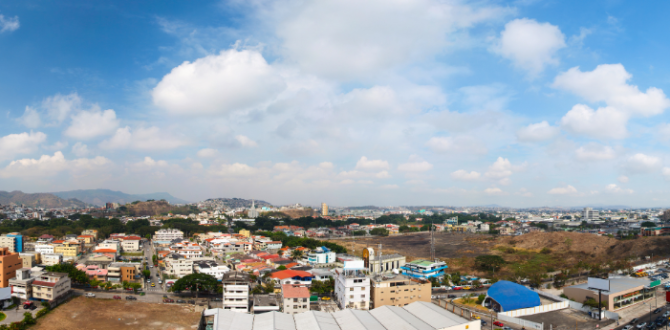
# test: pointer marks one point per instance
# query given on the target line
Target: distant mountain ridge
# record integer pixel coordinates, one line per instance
(102, 196)
(236, 202)
(45, 200)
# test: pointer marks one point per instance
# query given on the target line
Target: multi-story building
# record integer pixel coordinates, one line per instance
(386, 264)
(92, 232)
(10, 262)
(50, 259)
(236, 291)
(110, 244)
(264, 303)
(168, 235)
(44, 248)
(69, 250)
(50, 285)
(22, 284)
(295, 298)
(398, 290)
(30, 259)
(589, 214)
(324, 209)
(210, 267)
(87, 239)
(187, 249)
(12, 241)
(130, 244)
(119, 272)
(424, 269)
(321, 255)
(352, 286)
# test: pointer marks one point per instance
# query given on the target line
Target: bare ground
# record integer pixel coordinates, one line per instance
(101, 314)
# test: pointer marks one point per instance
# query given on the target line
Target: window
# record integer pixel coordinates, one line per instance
(362, 288)
(351, 289)
(351, 297)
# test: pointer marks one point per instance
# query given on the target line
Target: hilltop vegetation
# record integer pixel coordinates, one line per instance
(38, 200)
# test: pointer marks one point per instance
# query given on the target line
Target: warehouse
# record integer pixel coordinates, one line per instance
(415, 316)
(505, 296)
(624, 292)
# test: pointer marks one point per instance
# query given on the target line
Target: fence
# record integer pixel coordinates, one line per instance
(524, 323)
(537, 310)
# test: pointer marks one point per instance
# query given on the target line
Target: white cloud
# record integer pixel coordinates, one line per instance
(234, 170)
(537, 132)
(607, 83)
(22, 143)
(623, 179)
(595, 152)
(494, 191)
(246, 142)
(530, 45)
(378, 34)
(207, 153)
(459, 144)
(58, 107)
(502, 168)
(151, 138)
(567, 190)
(80, 149)
(50, 165)
(366, 164)
(415, 164)
(30, 118)
(641, 163)
(93, 123)
(604, 123)
(613, 188)
(389, 186)
(9, 24)
(218, 84)
(463, 175)
(666, 172)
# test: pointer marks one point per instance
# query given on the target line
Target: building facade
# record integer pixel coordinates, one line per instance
(424, 269)
(352, 286)
(168, 235)
(50, 259)
(236, 291)
(398, 290)
(321, 255)
(10, 262)
(22, 284)
(50, 285)
(295, 298)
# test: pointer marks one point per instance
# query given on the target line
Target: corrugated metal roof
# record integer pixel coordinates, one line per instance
(274, 321)
(351, 319)
(393, 317)
(229, 320)
(315, 320)
(434, 315)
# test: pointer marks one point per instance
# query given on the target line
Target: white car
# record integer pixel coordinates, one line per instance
(90, 295)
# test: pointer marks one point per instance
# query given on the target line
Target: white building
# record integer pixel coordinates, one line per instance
(44, 249)
(110, 244)
(252, 213)
(236, 291)
(130, 244)
(352, 286)
(589, 214)
(168, 235)
(50, 259)
(321, 255)
(210, 268)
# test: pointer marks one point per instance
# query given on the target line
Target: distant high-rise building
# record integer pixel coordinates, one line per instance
(253, 213)
(324, 209)
(589, 214)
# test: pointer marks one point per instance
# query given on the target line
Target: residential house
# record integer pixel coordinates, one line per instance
(21, 285)
(50, 259)
(210, 267)
(10, 262)
(352, 286)
(398, 290)
(130, 243)
(168, 235)
(236, 291)
(290, 276)
(49, 286)
(295, 298)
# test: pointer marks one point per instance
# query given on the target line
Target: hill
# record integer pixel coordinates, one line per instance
(233, 203)
(148, 208)
(44, 200)
(102, 196)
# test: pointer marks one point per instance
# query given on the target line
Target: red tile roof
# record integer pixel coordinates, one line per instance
(58, 241)
(42, 283)
(294, 291)
(105, 250)
(282, 274)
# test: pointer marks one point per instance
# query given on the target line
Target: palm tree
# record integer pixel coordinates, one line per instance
(296, 254)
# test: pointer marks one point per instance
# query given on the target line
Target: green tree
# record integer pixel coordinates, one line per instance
(154, 259)
(456, 278)
(489, 262)
(146, 273)
(75, 274)
(196, 283)
(282, 267)
(28, 318)
(648, 224)
(296, 254)
(403, 229)
(480, 299)
(269, 286)
(379, 232)
(135, 286)
(258, 289)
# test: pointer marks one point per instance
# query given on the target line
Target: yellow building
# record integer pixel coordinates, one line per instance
(398, 290)
(67, 250)
(324, 209)
(245, 232)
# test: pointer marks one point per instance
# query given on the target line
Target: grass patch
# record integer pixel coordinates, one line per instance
(132, 254)
(472, 303)
(3, 316)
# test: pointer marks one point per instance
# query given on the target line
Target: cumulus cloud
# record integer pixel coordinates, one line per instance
(234, 170)
(246, 142)
(151, 138)
(604, 123)
(463, 175)
(50, 165)
(494, 191)
(366, 164)
(614, 189)
(641, 163)
(537, 132)
(218, 84)
(595, 152)
(459, 144)
(666, 172)
(608, 83)
(623, 179)
(207, 153)
(502, 169)
(30, 118)
(415, 164)
(22, 143)
(567, 190)
(378, 35)
(530, 45)
(80, 149)
(93, 123)
(53, 110)
(9, 24)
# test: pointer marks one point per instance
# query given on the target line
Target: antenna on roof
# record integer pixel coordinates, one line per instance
(432, 242)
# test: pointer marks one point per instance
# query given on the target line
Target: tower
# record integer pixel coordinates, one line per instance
(432, 242)
(324, 209)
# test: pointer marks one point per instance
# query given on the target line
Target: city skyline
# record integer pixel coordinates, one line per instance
(517, 103)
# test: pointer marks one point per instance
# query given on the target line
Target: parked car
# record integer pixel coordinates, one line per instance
(483, 322)
(117, 297)
(90, 295)
(507, 328)
(628, 327)
(633, 321)
(498, 324)
(28, 304)
(191, 302)
(167, 300)
(657, 310)
(181, 301)
(131, 298)
(666, 314)
(456, 287)
(642, 325)
(451, 296)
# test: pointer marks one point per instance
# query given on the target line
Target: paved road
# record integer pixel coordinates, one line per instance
(647, 317)
(155, 275)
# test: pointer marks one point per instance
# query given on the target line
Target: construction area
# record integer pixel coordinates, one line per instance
(102, 314)
(568, 319)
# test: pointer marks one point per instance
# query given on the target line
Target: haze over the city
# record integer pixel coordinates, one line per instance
(515, 103)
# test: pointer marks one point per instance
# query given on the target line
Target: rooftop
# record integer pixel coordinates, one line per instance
(295, 291)
(266, 300)
(618, 284)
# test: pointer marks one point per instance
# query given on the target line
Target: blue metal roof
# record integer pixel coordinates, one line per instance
(513, 296)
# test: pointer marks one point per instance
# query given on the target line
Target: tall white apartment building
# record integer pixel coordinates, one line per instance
(236, 291)
(168, 235)
(44, 249)
(589, 214)
(352, 286)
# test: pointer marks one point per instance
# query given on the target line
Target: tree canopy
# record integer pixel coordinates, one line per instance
(75, 274)
(489, 262)
(196, 283)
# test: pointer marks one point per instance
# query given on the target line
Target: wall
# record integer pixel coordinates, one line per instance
(524, 323)
(537, 310)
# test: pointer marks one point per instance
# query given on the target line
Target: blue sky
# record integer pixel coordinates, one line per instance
(520, 103)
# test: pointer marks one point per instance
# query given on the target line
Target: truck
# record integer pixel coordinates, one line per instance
(28, 305)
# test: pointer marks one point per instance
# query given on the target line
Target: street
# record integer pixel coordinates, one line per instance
(155, 274)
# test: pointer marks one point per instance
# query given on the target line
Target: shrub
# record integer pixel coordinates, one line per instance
(545, 251)
(480, 299)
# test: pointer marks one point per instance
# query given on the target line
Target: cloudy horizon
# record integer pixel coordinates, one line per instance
(425, 102)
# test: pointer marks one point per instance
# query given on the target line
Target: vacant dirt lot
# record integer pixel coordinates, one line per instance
(101, 314)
